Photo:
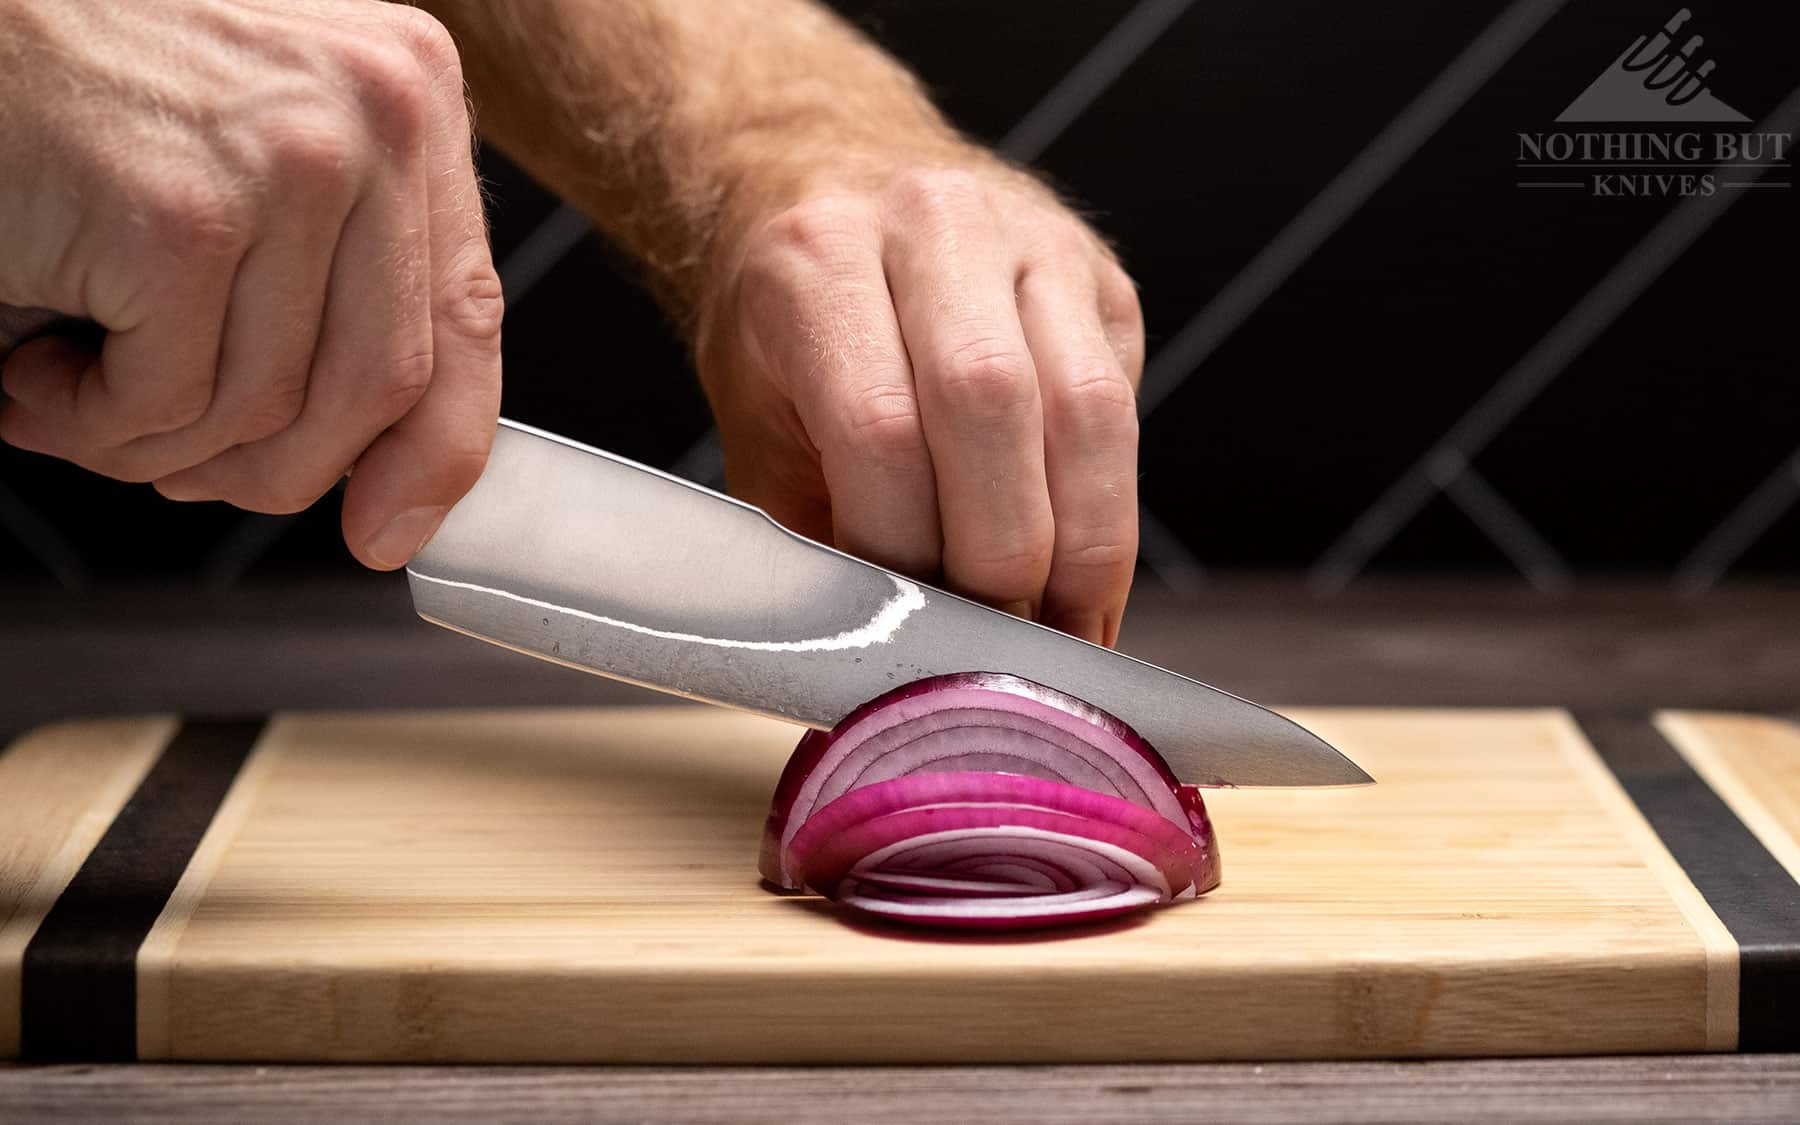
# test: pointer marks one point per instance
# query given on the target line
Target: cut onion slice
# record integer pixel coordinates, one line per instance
(986, 800)
(1091, 904)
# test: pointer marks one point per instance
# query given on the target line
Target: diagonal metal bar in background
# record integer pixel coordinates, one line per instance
(1536, 559)
(45, 543)
(1092, 75)
(1339, 199)
(249, 539)
(1740, 530)
(538, 253)
(565, 227)
(1549, 357)
(1314, 224)
(1167, 557)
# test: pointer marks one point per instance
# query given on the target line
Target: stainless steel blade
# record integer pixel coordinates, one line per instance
(590, 560)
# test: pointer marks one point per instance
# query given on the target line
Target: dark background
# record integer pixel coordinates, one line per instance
(1211, 140)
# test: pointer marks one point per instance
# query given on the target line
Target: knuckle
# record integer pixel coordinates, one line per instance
(1103, 551)
(941, 193)
(1098, 404)
(459, 467)
(1059, 244)
(882, 424)
(429, 40)
(1122, 316)
(471, 305)
(274, 408)
(1011, 568)
(403, 382)
(1118, 294)
(986, 382)
(1131, 351)
(311, 150)
(394, 91)
(188, 216)
(182, 409)
(816, 230)
(160, 410)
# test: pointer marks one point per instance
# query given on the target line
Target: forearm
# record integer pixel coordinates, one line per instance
(676, 124)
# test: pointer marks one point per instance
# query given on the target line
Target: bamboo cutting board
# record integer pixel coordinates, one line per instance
(581, 885)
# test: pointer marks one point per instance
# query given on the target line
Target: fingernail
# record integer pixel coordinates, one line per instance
(1018, 609)
(401, 539)
(181, 491)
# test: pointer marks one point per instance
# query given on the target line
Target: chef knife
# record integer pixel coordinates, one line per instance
(591, 560)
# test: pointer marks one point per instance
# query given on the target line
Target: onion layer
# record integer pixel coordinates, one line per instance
(989, 801)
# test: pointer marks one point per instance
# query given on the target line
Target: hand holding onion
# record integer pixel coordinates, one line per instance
(932, 363)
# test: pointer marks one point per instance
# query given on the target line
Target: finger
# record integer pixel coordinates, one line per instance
(411, 475)
(826, 323)
(952, 284)
(271, 331)
(783, 479)
(46, 360)
(1121, 316)
(767, 456)
(1090, 452)
(372, 363)
(154, 371)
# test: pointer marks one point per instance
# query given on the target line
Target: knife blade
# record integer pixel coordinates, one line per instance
(588, 559)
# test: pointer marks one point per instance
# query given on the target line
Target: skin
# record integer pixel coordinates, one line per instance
(913, 350)
(273, 212)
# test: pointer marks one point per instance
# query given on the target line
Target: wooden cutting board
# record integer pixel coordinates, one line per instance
(581, 885)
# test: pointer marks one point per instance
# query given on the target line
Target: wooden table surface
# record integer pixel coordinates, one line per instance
(1614, 644)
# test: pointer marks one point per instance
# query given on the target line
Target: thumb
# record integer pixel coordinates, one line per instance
(405, 483)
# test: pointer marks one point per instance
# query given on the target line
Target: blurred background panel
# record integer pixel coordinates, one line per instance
(1370, 350)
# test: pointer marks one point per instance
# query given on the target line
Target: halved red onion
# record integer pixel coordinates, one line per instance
(986, 800)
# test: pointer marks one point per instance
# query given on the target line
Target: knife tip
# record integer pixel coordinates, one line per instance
(1326, 766)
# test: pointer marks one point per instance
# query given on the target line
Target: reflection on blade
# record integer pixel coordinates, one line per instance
(878, 630)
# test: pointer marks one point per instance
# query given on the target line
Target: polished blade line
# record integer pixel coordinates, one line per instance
(908, 599)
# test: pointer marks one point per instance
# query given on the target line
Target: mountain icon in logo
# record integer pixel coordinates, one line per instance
(1654, 80)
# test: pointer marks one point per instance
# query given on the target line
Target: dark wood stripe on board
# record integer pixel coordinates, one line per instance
(78, 980)
(1750, 891)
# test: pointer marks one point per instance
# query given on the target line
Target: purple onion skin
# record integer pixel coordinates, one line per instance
(833, 840)
(1002, 923)
(1195, 806)
(811, 748)
(814, 745)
